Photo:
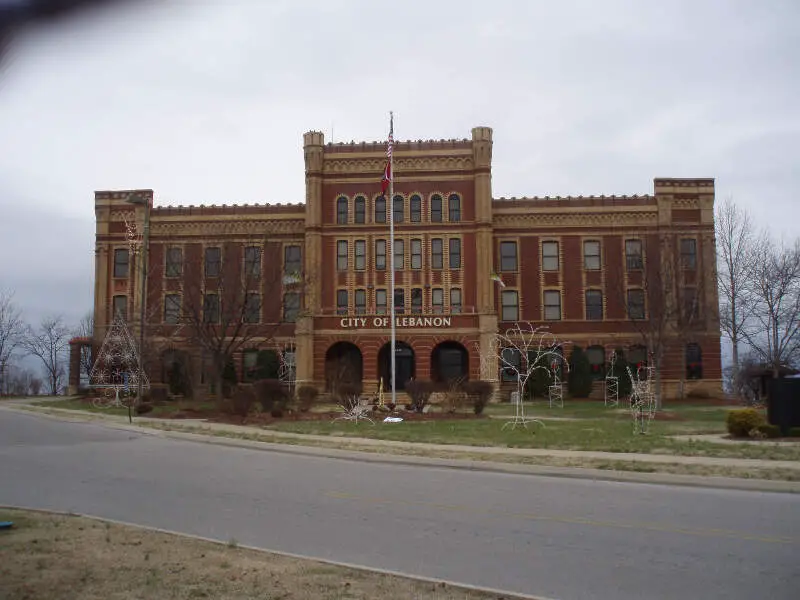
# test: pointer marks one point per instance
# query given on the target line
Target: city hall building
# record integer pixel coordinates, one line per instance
(602, 272)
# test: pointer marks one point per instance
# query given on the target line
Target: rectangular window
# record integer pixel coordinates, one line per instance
(120, 307)
(416, 254)
(252, 261)
(399, 301)
(416, 301)
(121, 262)
(437, 253)
(252, 307)
(361, 302)
(360, 212)
(380, 302)
(437, 300)
(508, 256)
(636, 304)
(594, 305)
(174, 266)
(591, 255)
(398, 209)
(341, 255)
(341, 302)
(291, 306)
(455, 301)
(292, 260)
(380, 255)
(633, 255)
(552, 305)
(399, 255)
(380, 209)
(172, 308)
(213, 262)
(510, 305)
(436, 208)
(360, 251)
(549, 256)
(211, 308)
(416, 208)
(689, 253)
(455, 253)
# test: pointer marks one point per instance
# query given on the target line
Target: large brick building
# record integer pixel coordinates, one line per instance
(600, 271)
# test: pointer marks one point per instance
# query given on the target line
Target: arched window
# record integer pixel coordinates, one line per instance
(360, 212)
(454, 206)
(341, 210)
(694, 362)
(380, 209)
(436, 208)
(597, 361)
(416, 208)
(398, 208)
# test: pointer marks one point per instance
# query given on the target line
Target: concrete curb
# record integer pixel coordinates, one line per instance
(454, 584)
(294, 446)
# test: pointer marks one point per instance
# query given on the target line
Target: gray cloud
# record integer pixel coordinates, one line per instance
(207, 101)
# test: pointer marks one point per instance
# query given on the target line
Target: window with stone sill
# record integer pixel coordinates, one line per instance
(380, 209)
(172, 308)
(550, 256)
(552, 305)
(121, 260)
(360, 209)
(341, 210)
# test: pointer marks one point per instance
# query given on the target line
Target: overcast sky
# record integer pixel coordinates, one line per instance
(206, 101)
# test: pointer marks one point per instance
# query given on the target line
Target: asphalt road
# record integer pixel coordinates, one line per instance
(567, 539)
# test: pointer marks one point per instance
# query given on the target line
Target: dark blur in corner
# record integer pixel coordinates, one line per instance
(15, 15)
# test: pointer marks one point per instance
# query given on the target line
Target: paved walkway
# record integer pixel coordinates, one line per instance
(374, 445)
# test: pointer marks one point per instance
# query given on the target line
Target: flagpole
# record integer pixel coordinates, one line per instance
(390, 206)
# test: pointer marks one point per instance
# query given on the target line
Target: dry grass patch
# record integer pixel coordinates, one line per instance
(54, 556)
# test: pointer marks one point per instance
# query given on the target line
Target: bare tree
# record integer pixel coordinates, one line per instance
(49, 344)
(36, 386)
(734, 233)
(85, 329)
(12, 333)
(223, 315)
(776, 289)
(19, 381)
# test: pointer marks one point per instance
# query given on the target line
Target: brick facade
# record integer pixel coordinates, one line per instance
(452, 232)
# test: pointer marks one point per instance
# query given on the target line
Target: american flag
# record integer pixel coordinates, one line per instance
(387, 172)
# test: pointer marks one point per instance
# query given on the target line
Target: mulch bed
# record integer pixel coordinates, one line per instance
(295, 416)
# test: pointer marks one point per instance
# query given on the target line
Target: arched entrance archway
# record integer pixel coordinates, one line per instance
(405, 366)
(449, 362)
(343, 365)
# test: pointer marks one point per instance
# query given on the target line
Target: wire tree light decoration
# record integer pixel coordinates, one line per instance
(522, 350)
(643, 398)
(555, 391)
(287, 366)
(117, 370)
(612, 382)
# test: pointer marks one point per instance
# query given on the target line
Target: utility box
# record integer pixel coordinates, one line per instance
(783, 403)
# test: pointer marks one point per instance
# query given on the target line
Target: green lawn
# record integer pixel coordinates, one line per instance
(590, 427)
(580, 425)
